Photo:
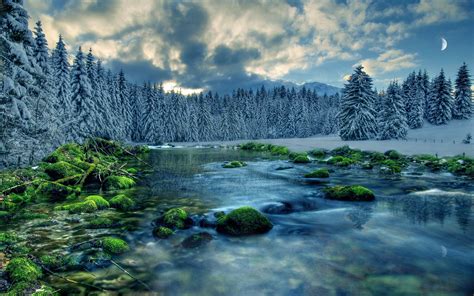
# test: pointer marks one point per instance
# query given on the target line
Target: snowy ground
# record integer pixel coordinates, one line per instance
(441, 140)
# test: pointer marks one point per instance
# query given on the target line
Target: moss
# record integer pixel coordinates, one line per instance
(175, 218)
(100, 222)
(377, 157)
(393, 166)
(72, 153)
(394, 155)
(422, 158)
(349, 193)
(244, 221)
(55, 191)
(301, 159)
(320, 173)
(234, 164)
(118, 182)
(23, 270)
(45, 291)
(104, 146)
(8, 238)
(61, 169)
(346, 151)
(114, 245)
(252, 146)
(461, 165)
(318, 153)
(88, 206)
(53, 262)
(279, 150)
(341, 161)
(21, 288)
(99, 201)
(122, 202)
(139, 149)
(162, 232)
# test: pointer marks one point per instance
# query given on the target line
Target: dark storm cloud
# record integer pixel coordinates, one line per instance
(139, 71)
(224, 55)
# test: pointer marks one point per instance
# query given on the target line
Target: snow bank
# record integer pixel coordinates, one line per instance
(442, 140)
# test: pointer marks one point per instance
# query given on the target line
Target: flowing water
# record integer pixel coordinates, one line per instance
(417, 238)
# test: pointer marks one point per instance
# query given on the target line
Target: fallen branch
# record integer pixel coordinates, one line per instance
(128, 273)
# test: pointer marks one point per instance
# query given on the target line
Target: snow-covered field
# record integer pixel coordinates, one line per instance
(443, 140)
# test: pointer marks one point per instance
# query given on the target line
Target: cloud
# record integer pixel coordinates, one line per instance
(204, 43)
(439, 11)
(389, 61)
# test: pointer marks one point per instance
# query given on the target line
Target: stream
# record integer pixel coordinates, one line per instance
(417, 238)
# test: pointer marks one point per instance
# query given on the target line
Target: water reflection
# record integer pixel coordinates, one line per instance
(425, 209)
(359, 215)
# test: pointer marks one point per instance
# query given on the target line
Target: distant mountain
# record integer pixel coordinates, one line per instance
(321, 88)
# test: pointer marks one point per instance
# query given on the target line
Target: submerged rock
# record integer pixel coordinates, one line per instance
(23, 270)
(162, 232)
(234, 164)
(244, 221)
(278, 209)
(282, 168)
(196, 240)
(176, 218)
(114, 245)
(349, 193)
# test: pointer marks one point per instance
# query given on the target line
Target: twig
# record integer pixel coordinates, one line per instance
(128, 273)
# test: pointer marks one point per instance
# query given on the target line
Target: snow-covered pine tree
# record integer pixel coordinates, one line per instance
(84, 109)
(414, 104)
(441, 102)
(61, 80)
(357, 115)
(125, 106)
(462, 107)
(393, 122)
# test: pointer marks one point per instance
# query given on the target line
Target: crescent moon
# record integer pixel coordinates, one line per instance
(444, 251)
(444, 44)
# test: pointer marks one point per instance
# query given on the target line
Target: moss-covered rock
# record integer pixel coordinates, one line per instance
(104, 146)
(52, 262)
(279, 150)
(244, 221)
(162, 232)
(100, 222)
(349, 193)
(376, 157)
(88, 206)
(8, 238)
(23, 270)
(99, 201)
(318, 153)
(56, 192)
(114, 245)
(299, 157)
(341, 161)
(62, 169)
(394, 155)
(234, 164)
(461, 165)
(175, 218)
(71, 153)
(320, 173)
(122, 202)
(390, 166)
(118, 182)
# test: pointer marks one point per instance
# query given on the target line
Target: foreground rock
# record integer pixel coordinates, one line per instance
(244, 221)
(196, 240)
(349, 193)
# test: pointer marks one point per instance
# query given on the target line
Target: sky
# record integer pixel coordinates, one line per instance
(223, 44)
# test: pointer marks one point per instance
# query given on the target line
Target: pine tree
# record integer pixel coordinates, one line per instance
(41, 49)
(441, 102)
(462, 107)
(83, 107)
(61, 79)
(393, 123)
(357, 115)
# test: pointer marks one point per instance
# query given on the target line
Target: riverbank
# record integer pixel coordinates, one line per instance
(436, 140)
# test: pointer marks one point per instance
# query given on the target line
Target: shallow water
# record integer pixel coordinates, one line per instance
(417, 238)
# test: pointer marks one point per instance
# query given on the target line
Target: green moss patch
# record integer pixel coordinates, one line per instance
(114, 245)
(8, 238)
(318, 153)
(23, 270)
(71, 153)
(349, 193)
(341, 161)
(62, 169)
(244, 221)
(299, 157)
(119, 182)
(100, 222)
(162, 232)
(175, 218)
(320, 173)
(88, 206)
(99, 201)
(122, 202)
